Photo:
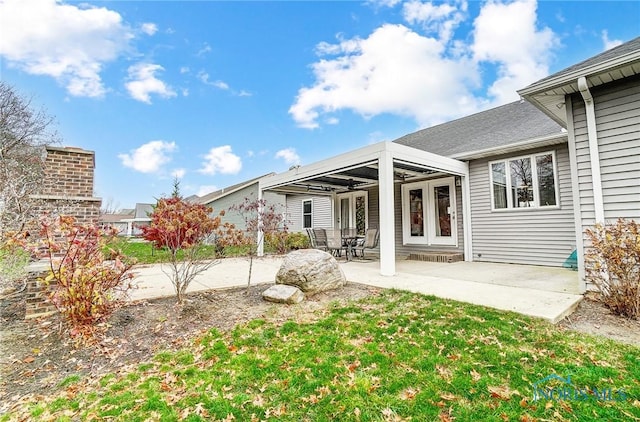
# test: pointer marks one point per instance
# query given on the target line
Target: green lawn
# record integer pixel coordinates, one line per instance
(396, 356)
(144, 253)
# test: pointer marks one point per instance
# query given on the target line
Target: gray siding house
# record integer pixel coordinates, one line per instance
(598, 101)
(300, 210)
(515, 184)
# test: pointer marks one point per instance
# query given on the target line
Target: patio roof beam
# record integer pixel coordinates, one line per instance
(354, 178)
(309, 175)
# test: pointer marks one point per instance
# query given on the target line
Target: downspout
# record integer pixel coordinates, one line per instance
(596, 179)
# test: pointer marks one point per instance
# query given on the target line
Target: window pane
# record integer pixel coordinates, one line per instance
(521, 183)
(306, 207)
(415, 212)
(306, 221)
(499, 177)
(546, 180)
(443, 206)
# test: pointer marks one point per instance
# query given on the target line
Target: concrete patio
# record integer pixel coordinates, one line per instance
(543, 292)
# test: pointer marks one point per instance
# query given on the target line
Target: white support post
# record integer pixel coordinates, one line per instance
(387, 217)
(466, 218)
(260, 234)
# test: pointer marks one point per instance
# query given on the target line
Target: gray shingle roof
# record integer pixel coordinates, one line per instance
(210, 197)
(501, 126)
(619, 51)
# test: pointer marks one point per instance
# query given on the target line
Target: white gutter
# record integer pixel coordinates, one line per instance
(592, 132)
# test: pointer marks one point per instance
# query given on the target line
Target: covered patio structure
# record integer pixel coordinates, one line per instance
(382, 165)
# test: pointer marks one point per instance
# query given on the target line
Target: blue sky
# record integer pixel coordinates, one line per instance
(220, 92)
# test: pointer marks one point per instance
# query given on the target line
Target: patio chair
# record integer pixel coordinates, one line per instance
(334, 242)
(371, 239)
(319, 237)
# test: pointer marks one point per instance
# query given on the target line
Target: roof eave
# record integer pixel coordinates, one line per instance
(543, 141)
(571, 77)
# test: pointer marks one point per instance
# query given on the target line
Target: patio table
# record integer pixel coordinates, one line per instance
(351, 241)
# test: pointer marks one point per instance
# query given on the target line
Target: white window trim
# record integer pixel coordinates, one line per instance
(534, 172)
(302, 212)
(428, 211)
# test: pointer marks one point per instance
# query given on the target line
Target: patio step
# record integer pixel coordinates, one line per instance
(447, 257)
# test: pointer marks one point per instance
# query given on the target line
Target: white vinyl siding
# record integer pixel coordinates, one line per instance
(538, 236)
(617, 110)
(321, 211)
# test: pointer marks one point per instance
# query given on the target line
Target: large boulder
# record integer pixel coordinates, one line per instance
(311, 270)
(281, 293)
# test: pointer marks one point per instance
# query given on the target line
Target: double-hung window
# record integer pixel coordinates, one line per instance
(307, 214)
(524, 182)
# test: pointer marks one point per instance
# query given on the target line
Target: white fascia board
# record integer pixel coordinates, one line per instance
(544, 141)
(428, 159)
(571, 77)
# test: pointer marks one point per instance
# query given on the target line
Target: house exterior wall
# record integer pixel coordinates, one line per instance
(238, 197)
(522, 236)
(617, 110)
(320, 208)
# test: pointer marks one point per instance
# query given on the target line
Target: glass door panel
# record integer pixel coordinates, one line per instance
(416, 213)
(361, 214)
(345, 222)
(442, 202)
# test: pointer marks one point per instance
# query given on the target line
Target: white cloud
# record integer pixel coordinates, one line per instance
(384, 3)
(67, 42)
(143, 82)
(206, 189)
(204, 78)
(609, 44)
(289, 155)
(221, 160)
(149, 28)
(178, 173)
(507, 35)
(430, 77)
(394, 70)
(184, 69)
(206, 48)
(149, 157)
(441, 19)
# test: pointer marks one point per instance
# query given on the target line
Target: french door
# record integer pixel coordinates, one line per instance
(428, 212)
(353, 211)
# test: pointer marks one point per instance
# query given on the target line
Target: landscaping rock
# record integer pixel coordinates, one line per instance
(311, 270)
(281, 293)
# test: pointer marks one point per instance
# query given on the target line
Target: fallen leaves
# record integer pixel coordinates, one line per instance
(502, 392)
(409, 393)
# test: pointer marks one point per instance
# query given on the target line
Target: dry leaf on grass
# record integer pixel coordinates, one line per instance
(502, 392)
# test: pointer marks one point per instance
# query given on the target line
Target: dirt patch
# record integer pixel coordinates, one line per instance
(36, 355)
(592, 317)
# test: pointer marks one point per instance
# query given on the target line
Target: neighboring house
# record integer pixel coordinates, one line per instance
(129, 222)
(516, 184)
(301, 210)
